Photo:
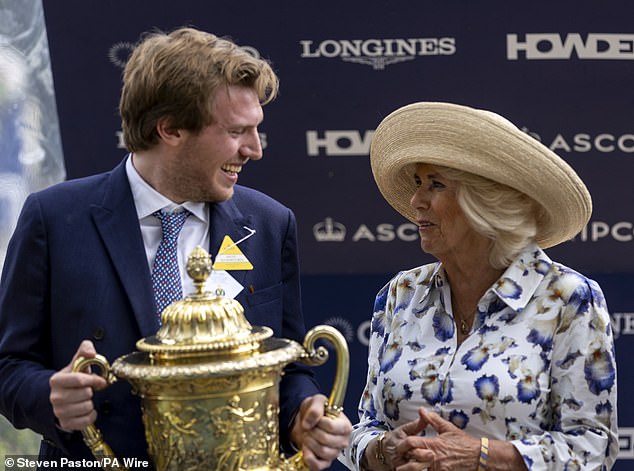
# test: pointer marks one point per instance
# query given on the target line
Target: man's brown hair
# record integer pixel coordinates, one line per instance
(176, 75)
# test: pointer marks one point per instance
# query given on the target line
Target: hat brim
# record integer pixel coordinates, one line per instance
(482, 143)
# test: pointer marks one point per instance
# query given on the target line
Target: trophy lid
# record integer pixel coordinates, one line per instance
(203, 323)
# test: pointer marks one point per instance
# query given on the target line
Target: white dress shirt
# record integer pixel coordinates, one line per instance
(195, 231)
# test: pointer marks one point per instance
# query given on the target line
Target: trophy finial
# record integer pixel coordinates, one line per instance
(202, 323)
(199, 267)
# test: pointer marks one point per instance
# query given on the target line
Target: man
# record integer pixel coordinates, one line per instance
(79, 270)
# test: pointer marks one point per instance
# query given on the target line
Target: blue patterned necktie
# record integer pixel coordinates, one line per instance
(166, 278)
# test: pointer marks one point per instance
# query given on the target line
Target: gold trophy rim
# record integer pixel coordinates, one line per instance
(206, 350)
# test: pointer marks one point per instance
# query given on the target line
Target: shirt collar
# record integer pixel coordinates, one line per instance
(431, 276)
(147, 200)
(521, 279)
(515, 287)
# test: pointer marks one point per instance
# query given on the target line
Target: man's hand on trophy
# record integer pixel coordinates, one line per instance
(320, 437)
(71, 393)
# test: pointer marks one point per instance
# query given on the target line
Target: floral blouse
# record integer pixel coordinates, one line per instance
(538, 368)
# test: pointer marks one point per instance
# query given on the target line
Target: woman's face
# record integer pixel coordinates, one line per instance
(443, 228)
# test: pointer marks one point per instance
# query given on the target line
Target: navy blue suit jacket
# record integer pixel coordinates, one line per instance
(76, 269)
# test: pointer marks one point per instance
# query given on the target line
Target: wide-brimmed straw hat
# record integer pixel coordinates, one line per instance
(482, 143)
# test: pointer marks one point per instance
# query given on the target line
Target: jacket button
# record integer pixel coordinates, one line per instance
(98, 333)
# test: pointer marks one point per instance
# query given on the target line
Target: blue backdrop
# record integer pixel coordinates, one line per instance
(563, 71)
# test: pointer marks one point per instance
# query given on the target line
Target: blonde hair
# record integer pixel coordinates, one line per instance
(175, 75)
(504, 215)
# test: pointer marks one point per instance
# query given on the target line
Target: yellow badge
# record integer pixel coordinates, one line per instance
(230, 257)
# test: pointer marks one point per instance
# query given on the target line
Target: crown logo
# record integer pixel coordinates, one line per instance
(329, 231)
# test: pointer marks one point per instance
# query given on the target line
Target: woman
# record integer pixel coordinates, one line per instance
(495, 357)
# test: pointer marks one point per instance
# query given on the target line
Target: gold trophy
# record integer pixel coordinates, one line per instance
(208, 383)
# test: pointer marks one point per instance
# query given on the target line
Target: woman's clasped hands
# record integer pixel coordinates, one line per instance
(451, 449)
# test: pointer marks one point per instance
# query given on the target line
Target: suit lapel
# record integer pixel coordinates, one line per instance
(227, 219)
(118, 224)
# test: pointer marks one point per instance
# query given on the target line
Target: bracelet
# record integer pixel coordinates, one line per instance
(484, 454)
(379, 449)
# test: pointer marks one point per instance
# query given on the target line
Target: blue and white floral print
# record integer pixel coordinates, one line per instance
(537, 369)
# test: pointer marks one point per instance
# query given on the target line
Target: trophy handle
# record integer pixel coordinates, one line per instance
(91, 434)
(318, 356)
